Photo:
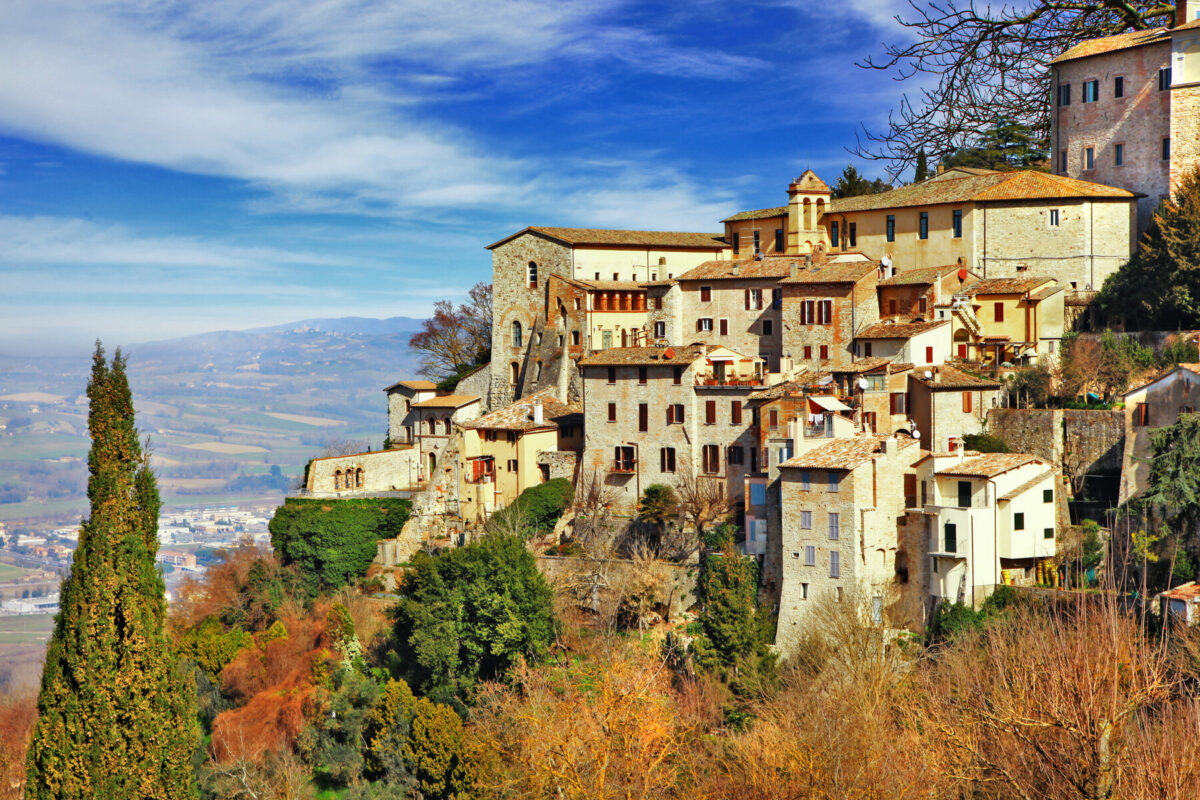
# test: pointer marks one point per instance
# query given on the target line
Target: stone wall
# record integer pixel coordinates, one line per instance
(477, 383)
(1029, 430)
(1185, 132)
(562, 463)
(1077, 441)
(382, 471)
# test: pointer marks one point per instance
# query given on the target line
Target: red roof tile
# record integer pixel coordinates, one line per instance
(989, 465)
(671, 240)
(843, 455)
(899, 330)
(519, 415)
(1110, 44)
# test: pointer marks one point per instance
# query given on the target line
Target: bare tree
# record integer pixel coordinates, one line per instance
(455, 338)
(702, 501)
(980, 63)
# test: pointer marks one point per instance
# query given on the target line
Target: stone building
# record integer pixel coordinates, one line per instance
(434, 421)
(921, 344)
(794, 229)
(1015, 320)
(1127, 109)
(736, 304)
(525, 327)
(365, 474)
(665, 414)
(947, 403)
(1149, 407)
(402, 420)
(990, 518)
(826, 302)
(840, 503)
(912, 295)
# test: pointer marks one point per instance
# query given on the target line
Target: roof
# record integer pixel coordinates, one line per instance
(920, 277)
(611, 286)
(616, 238)
(831, 272)
(1193, 368)
(416, 386)
(798, 386)
(448, 401)
(1110, 44)
(648, 356)
(989, 465)
(808, 182)
(762, 213)
(768, 267)
(948, 377)
(829, 403)
(1027, 485)
(519, 415)
(844, 454)
(984, 188)
(1188, 591)
(1004, 286)
(899, 330)
(871, 364)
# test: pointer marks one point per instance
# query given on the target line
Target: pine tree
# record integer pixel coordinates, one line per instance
(116, 715)
(922, 171)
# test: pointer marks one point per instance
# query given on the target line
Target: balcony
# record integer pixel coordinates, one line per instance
(624, 467)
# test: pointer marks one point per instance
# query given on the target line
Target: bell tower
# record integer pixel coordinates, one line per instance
(808, 200)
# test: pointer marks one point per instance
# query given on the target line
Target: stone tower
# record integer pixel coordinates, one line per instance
(808, 200)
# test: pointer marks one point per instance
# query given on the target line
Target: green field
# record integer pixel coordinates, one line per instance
(26, 629)
(9, 573)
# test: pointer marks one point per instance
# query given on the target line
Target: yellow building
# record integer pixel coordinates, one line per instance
(503, 453)
(1006, 320)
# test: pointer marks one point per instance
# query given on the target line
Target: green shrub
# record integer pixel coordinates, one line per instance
(537, 510)
(985, 443)
(332, 542)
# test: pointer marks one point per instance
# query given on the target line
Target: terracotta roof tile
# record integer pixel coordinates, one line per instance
(832, 272)
(610, 237)
(637, 356)
(611, 286)
(1004, 286)
(519, 415)
(844, 455)
(762, 213)
(899, 330)
(1110, 44)
(864, 365)
(448, 401)
(417, 386)
(988, 187)
(921, 277)
(770, 267)
(798, 385)
(989, 465)
(948, 377)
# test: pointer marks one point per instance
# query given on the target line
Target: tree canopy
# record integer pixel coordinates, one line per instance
(972, 63)
(456, 339)
(852, 183)
(1006, 145)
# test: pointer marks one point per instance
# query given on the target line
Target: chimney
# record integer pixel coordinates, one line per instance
(737, 269)
(795, 269)
(538, 417)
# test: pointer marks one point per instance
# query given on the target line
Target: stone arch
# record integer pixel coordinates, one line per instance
(820, 212)
(446, 423)
(532, 274)
(358, 478)
(337, 479)
(662, 261)
(807, 217)
(537, 375)
(432, 464)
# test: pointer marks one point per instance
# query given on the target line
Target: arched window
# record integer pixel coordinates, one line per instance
(358, 478)
(432, 425)
(514, 372)
(337, 479)
(808, 224)
(516, 334)
(532, 274)
(446, 423)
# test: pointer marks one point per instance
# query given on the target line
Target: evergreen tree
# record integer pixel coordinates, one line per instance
(922, 166)
(852, 183)
(117, 719)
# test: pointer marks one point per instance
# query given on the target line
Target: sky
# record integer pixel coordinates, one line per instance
(174, 167)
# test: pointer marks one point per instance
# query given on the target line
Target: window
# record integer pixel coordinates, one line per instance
(833, 233)
(704, 324)
(768, 328)
(705, 294)
(805, 520)
(532, 275)
(998, 311)
(514, 372)
(1064, 94)
(807, 314)
(736, 240)
(677, 375)
(1019, 521)
(1118, 155)
(658, 303)
(735, 456)
(710, 412)
(1164, 79)
(623, 460)
(824, 352)
(1091, 91)
(924, 232)
(642, 375)
(712, 459)
(735, 412)
(675, 414)
(643, 417)
(1166, 149)
(891, 227)
(660, 330)
(1054, 218)
(779, 248)
(773, 417)
(754, 300)
(776, 299)
(951, 538)
(612, 375)
(723, 327)
(1089, 158)
(922, 305)
(835, 567)
(612, 412)
(834, 526)
(758, 494)
(575, 338)
(516, 334)
(1062, 161)
(1048, 533)
(1119, 86)
(899, 403)
(957, 223)
(804, 590)
(806, 480)
(892, 307)
(928, 355)
(757, 248)
(966, 402)
(810, 556)
(666, 458)
(1141, 415)
(852, 233)
(964, 494)
(824, 312)
(807, 352)
(867, 349)
(835, 481)
(616, 276)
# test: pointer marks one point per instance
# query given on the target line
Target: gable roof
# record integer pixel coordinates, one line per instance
(989, 465)
(871, 364)
(646, 356)
(762, 213)
(926, 276)
(519, 415)
(983, 188)
(416, 386)
(899, 330)
(948, 377)
(448, 401)
(1192, 368)
(768, 267)
(843, 455)
(606, 237)
(831, 272)
(797, 386)
(1004, 285)
(1012, 494)
(1110, 44)
(809, 183)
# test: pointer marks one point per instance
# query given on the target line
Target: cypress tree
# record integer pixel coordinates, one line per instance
(922, 170)
(116, 714)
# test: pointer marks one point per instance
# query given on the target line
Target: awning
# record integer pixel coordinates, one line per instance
(721, 358)
(830, 403)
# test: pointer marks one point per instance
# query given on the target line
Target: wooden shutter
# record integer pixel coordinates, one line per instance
(966, 402)
(724, 327)
(928, 355)
(735, 411)
(643, 417)
(747, 299)
(710, 412)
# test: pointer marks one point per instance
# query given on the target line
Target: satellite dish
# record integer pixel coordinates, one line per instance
(862, 384)
(928, 375)
(916, 434)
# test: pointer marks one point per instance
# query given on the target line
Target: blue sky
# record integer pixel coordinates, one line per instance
(176, 167)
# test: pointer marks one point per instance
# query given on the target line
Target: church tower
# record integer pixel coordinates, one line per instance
(808, 200)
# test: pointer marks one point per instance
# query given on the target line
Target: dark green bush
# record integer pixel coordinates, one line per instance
(985, 443)
(537, 509)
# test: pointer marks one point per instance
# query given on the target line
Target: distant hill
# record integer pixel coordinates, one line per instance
(221, 408)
